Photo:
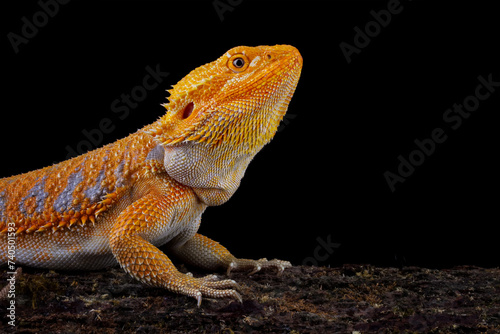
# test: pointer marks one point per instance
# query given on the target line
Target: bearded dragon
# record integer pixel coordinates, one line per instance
(119, 203)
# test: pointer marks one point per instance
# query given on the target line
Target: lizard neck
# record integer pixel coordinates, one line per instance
(214, 173)
(223, 184)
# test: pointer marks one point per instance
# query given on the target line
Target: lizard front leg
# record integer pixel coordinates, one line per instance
(129, 242)
(208, 254)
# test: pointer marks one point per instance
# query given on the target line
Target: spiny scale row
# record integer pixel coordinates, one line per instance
(56, 221)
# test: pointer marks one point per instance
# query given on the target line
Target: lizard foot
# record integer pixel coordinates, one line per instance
(208, 286)
(257, 265)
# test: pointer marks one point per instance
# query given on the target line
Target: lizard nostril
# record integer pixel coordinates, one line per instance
(188, 110)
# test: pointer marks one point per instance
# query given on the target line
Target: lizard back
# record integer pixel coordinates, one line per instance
(74, 191)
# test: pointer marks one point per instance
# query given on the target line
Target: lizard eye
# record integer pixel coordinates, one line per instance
(238, 63)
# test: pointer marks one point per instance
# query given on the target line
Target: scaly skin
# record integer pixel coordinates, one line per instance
(122, 201)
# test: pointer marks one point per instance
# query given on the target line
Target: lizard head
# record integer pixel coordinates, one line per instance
(222, 113)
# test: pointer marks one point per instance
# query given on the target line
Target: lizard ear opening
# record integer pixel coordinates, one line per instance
(188, 110)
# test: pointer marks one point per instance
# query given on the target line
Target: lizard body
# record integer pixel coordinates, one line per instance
(120, 202)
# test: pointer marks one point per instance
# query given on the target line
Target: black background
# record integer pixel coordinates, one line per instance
(323, 174)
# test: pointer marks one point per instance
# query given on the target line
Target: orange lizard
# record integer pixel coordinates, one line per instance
(120, 202)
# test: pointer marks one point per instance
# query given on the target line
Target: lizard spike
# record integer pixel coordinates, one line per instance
(62, 223)
(92, 219)
(20, 230)
(107, 201)
(73, 221)
(104, 208)
(84, 218)
(195, 138)
(44, 227)
(31, 229)
(176, 140)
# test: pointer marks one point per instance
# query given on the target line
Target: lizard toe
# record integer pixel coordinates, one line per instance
(254, 266)
(216, 293)
(209, 286)
(278, 264)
